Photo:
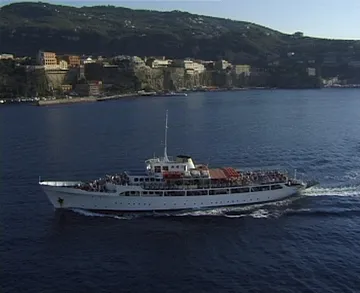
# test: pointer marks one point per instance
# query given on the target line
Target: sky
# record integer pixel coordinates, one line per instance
(335, 19)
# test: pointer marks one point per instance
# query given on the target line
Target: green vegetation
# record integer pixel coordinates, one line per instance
(15, 81)
(28, 27)
(107, 30)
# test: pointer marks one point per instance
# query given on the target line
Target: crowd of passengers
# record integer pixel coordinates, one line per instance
(99, 185)
(244, 179)
(262, 177)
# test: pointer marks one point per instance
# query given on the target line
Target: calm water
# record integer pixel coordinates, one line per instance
(311, 244)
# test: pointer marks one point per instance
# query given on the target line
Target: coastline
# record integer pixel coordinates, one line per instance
(138, 94)
(65, 101)
(88, 99)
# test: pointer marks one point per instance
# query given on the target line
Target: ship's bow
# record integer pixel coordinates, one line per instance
(54, 191)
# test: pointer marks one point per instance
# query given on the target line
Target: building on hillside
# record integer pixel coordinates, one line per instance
(81, 72)
(190, 66)
(72, 60)
(62, 64)
(311, 71)
(87, 60)
(95, 88)
(66, 88)
(209, 65)
(5, 56)
(298, 35)
(242, 69)
(157, 63)
(30, 68)
(222, 64)
(48, 60)
(92, 88)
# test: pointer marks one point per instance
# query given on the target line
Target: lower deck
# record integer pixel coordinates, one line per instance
(202, 192)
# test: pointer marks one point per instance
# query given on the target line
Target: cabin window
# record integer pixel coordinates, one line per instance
(177, 167)
(240, 190)
(174, 193)
(260, 188)
(146, 179)
(141, 179)
(152, 179)
(157, 169)
(276, 186)
(165, 168)
(197, 192)
(184, 168)
(217, 191)
(136, 179)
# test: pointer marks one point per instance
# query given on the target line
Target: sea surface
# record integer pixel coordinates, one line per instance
(308, 244)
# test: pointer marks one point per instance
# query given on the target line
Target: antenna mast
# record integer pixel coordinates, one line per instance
(165, 146)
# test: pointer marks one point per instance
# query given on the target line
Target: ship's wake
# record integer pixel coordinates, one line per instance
(315, 201)
(347, 191)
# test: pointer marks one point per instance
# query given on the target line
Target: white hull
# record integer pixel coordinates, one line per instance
(72, 198)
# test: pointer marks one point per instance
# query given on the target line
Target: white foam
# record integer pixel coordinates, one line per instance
(352, 191)
(236, 216)
(92, 214)
(260, 214)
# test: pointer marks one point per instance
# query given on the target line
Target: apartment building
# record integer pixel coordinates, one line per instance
(95, 88)
(222, 64)
(158, 63)
(5, 56)
(311, 71)
(190, 66)
(48, 60)
(72, 60)
(242, 69)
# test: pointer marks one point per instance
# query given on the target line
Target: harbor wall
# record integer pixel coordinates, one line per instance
(65, 101)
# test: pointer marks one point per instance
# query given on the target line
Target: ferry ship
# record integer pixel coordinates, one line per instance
(168, 183)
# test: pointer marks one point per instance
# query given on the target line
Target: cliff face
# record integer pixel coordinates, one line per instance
(171, 79)
(133, 74)
(17, 81)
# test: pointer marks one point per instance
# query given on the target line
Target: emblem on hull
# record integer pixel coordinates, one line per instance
(60, 201)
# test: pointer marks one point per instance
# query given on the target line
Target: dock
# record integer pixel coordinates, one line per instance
(65, 101)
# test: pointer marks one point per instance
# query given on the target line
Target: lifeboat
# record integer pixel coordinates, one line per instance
(205, 173)
(195, 173)
(187, 174)
(172, 175)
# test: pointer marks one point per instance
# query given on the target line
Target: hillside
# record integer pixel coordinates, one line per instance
(107, 30)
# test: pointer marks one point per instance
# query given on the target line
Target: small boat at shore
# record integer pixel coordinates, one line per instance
(175, 94)
(168, 184)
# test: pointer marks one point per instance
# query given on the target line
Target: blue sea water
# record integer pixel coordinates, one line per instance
(309, 244)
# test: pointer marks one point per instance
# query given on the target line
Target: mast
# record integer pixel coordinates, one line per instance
(165, 146)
